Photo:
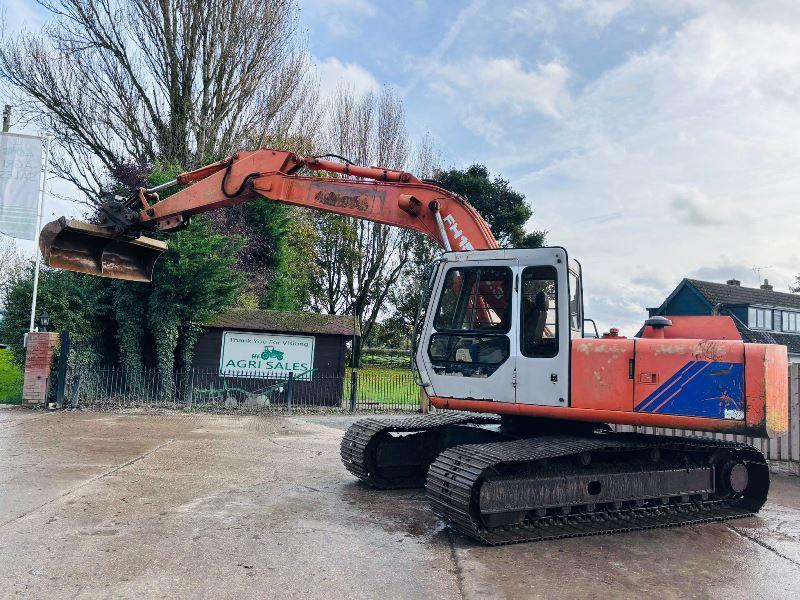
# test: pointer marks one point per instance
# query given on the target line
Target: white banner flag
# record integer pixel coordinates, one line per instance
(20, 179)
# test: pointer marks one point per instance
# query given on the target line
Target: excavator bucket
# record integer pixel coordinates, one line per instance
(92, 249)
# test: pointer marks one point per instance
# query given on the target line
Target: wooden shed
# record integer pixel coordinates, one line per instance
(267, 345)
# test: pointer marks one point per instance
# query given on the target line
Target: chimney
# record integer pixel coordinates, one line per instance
(735, 282)
(766, 285)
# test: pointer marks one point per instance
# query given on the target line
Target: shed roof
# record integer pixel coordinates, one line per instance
(284, 321)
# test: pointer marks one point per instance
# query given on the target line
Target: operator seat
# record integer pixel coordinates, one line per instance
(535, 321)
(542, 304)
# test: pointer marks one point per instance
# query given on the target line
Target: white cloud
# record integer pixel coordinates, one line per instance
(725, 268)
(598, 13)
(333, 73)
(487, 91)
(363, 7)
(463, 18)
(341, 18)
(505, 83)
(693, 207)
(533, 15)
(20, 14)
(489, 129)
(702, 128)
(467, 14)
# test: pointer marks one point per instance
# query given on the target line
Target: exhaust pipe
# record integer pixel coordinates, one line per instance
(92, 249)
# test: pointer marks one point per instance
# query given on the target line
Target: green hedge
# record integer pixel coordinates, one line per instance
(10, 379)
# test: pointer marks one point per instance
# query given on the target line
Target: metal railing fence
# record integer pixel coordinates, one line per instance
(378, 390)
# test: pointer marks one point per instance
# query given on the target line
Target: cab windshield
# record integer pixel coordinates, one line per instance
(475, 299)
(472, 319)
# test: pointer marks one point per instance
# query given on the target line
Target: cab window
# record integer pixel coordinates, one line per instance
(475, 299)
(472, 320)
(539, 309)
(575, 316)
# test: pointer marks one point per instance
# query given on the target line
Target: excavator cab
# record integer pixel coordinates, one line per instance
(97, 250)
(498, 326)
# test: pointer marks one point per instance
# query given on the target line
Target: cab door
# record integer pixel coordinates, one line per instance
(468, 349)
(543, 328)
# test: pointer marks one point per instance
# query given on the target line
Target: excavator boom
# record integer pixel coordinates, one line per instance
(118, 249)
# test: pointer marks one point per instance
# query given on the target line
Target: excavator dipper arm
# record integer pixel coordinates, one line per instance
(116, 248)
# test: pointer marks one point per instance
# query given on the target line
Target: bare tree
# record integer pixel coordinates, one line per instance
(427, 158)
(177, 81)
(359, 261)
(12, 264)
(405, 294)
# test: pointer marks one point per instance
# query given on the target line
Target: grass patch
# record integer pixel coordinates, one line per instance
(392, 359)
(384, 386)
(10, 379)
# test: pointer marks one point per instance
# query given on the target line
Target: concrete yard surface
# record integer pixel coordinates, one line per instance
(183, 506)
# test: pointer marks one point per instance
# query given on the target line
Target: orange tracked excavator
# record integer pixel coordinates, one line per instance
(528, 453)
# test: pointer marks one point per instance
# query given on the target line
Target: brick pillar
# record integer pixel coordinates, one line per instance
(38, 358)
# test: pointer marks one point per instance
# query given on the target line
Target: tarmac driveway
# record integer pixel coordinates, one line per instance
(127, 505)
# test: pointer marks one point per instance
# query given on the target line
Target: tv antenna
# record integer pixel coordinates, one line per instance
(757, 272)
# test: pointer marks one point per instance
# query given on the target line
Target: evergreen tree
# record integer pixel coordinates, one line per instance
(73, 302)
(503, 208)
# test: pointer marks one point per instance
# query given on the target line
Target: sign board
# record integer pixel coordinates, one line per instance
(248, 354)
(20, 180)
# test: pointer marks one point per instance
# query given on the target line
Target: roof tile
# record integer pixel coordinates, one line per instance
(722, 293)
(283, 321)
(759, 336)
(733, 295)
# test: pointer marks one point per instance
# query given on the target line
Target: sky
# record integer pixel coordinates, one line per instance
(655, 140)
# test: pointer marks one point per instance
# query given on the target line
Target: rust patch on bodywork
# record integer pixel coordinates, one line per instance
(347, 197)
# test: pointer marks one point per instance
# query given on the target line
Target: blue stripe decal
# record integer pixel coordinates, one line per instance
(667, 387)
(700, 388)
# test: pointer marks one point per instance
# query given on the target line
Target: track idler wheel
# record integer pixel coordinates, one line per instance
(734, 477)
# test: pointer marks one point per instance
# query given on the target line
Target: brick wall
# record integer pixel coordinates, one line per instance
(38, 359)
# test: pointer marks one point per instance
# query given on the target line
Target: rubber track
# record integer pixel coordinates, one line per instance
(458, 471)
(361, 439)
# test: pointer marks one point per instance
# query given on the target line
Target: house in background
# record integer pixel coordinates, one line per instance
(761, 314)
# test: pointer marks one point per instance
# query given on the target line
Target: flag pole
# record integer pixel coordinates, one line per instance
(49, 138)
